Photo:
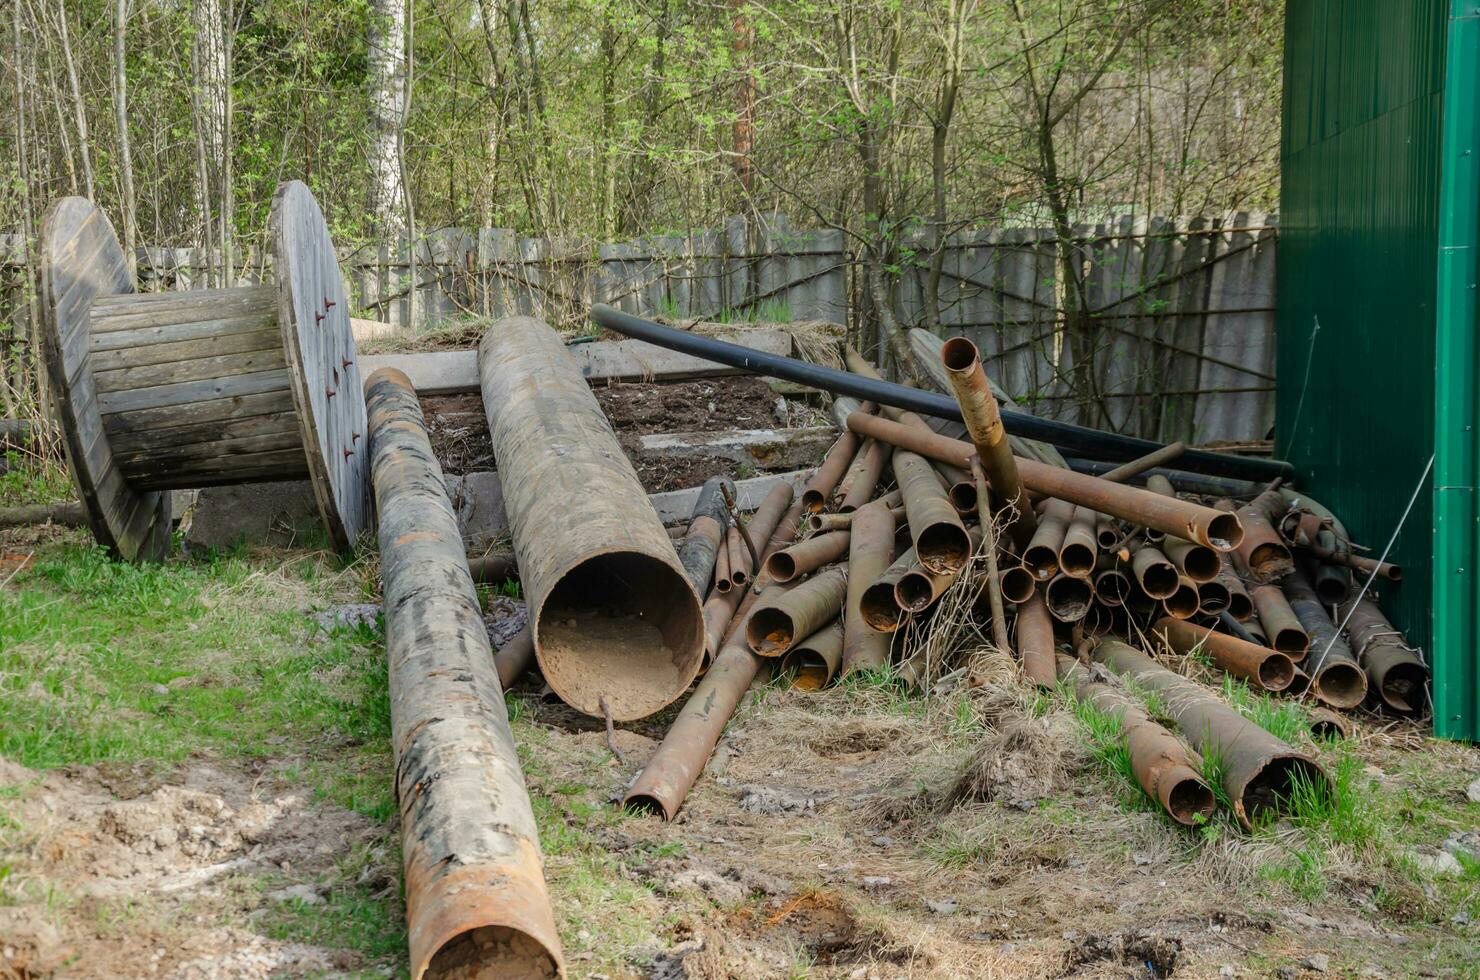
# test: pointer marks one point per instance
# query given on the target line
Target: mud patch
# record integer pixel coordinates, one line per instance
(1146, 954)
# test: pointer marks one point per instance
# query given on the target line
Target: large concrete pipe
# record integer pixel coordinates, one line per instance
(476, 900)
(617, 624)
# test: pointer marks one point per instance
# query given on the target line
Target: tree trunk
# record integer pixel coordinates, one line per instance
(387, 50)
(84, 142)
(744, 42)
(125, 149)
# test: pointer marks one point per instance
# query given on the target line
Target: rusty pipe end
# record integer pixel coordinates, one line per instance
(1185, 796)
(639, 647)
(1017, 584)
(959, 355)
(1292, 642)
(1159, 579)
(1183, 603)
(647, 803)
(781, 566)
(1042, 562)
(770, 631)
(1068, 598)
(1404, 687)
(455, 924)
(880, 609)
(943, 547)
(1201, 563)
(1225, 532)
(813, 501)
(1240, 606)
(1270, 786)
(1112, 587)
(1077, 560)
(1276, 671)
(1340, 683)
(914, 591)
(1213, 597)
(963, 498)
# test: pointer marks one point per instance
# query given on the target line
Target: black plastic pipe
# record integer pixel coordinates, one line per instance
(1065, 435)
(1212, 486)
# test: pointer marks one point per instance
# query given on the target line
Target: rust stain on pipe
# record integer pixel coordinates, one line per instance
(1260, 772)
(1034, 635)
(1398, 675)
(1080, 547)
(514, 658)
(1262, 549)
(1197, 561)
(739, 561)
(813, 662)
(1156, 574)
(1262, 666)
(771, 522)
(879, 608)
(936, 530)
(1165, 768)
(614, 614)
(1068, 598)
(1280, 624)
(807, 556)
(1041, 557)
(863, 475)
(984, 424)
(475, 885)
(870, 553)
(781, 619)
(1216, 529)
(1335, 676)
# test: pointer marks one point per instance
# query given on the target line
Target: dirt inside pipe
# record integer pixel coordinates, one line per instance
(914, 591)
(1341, 684)
(624, 626)
(1225, 532)
(1183, 603)
(808, 671)
(492, 953)
(1190, 801)
(1068, 598)
(1404, 687)
(943, 547)
(1292, 642)
(879, 608)
(1077, 560)
(1276, 672)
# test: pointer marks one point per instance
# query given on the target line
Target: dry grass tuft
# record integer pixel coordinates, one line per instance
(1019, 763)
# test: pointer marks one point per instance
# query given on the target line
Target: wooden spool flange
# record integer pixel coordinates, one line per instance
(167, 391)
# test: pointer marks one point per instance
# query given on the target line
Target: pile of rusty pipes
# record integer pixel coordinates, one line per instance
(1071, 560)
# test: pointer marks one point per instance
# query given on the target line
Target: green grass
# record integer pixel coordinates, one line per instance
(29, 481)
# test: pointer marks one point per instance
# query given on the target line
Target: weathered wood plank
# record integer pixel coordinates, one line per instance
(165, 396)
(188, 458)
(144, 420)
(199, 369)
(164, 439)
(134, 310)
(194, 330)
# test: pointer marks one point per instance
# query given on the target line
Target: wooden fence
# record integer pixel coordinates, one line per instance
(1179, 321)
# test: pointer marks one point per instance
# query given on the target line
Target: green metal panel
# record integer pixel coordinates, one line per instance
(1456, 684)
(1378, 263)
(1359, 212)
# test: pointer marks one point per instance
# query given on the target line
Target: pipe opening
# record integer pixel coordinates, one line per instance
(943, 547)
(1112, 587)
(1108, 536)
(1182, 603)
(1276, 672)
(1042, 561)
(492, 951)
(1299, 683)
(1341, 684)
(914, 591)
(812, 501)
(645, 804)
(770, 631)
(1276, 781)
(1405, 687)
(958, 354)
(1225, 532)
(1159, 580)
(782, 567)
(1017, 584)
(963, 498)
(1240, 606)
(807, 669)
(1332, 587)
(1077, 560)
(879, 608)
(1292, 642)
(624, 626)
(1068, 598)
(1214, 597)
(1201, 564)
(1190, 801)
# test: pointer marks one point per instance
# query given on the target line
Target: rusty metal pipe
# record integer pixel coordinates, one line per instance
(834, 466)
(813, 662)
(1157, 576)
(1335, 676)
(863, 475)
(984, 425)
(670, 773)
(1333, 581)
(1077, 553)
(1217, 529)
(699, 547)
(1041, 557)
(493, 568)
(1016, 583)
(1265, 668)
(919, 588)
(1111, 586)
(514, 658)
(936, 530)
(614, 615)
(870, 553)
(1164, 767)
(1198, 562)
(1034, 635)
(723, 583)
(1260, 772)
(772, 520)
(1397, 674)
(877, 605)
(1239, 602)
(807, 556)
(824, 523)
(778, 621)
(1262, 549)
(1153, 459)
(1280, 624)
(475, 887)
(1213, 597)
(1185, 601)
(1067, 598)
(739, 559)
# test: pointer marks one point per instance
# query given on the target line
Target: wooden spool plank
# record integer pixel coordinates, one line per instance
(81, 260)
(246, 468)
(172, 437)
(188, 392)
(220, 409)
(139, 310)
(186, 350)
(156, 341)
(195, 369)
(320, 349)
(185, 459)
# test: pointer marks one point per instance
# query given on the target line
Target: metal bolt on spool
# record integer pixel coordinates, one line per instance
(207, 387)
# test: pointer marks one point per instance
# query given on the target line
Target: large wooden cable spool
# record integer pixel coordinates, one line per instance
(166, 391)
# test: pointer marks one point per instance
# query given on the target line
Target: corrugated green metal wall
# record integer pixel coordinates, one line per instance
(1360, 330)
